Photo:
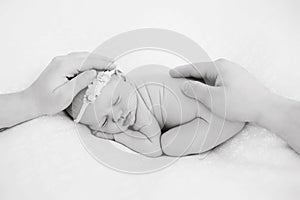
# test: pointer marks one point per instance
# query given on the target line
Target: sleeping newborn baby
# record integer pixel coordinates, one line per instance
(147, 112)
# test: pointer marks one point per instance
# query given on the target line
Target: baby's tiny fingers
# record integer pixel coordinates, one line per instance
(102, 135)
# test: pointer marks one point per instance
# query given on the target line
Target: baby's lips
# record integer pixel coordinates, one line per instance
(128, 119)
(125, 120)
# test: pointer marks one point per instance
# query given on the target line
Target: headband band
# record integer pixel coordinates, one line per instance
(94, 90)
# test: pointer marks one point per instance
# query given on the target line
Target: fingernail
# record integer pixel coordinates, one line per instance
(187, 88)
(92, 73)
(185, 85)
(173, 72)
(112, 65)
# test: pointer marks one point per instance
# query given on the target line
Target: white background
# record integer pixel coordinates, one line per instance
(38, 161)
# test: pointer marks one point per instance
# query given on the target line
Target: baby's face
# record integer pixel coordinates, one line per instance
(114, 109)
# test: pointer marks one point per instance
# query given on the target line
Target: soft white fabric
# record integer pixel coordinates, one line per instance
(44, 159)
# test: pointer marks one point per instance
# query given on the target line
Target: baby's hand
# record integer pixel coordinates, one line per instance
(64, 77)
(103, 135)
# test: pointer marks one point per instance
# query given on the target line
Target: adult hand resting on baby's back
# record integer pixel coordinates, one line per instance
(54, 89)
(231, 92)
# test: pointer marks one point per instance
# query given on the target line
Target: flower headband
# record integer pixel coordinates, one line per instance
(94, 89)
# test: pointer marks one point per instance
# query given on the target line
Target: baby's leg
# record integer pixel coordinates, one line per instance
(197, 136)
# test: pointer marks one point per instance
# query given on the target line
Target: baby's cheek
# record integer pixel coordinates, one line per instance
(130, 96)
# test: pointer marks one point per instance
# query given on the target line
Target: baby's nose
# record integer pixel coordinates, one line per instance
(117, 115)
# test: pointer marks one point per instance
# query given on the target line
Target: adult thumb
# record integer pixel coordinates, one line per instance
(200, 91)
(78, 83)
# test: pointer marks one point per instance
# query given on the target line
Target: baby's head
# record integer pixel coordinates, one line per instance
(113, 111)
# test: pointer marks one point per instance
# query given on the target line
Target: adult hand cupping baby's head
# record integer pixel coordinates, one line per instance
(64, 78)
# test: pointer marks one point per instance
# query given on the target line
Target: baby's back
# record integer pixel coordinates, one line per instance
(163, 97)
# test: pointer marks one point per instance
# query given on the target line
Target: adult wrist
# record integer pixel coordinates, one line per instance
(271, 110)
(31, 103)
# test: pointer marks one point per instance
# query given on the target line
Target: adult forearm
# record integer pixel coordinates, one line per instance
(16, 108)
(282, 116)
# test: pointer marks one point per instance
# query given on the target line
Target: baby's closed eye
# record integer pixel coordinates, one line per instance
(105, 122)
(118, 99)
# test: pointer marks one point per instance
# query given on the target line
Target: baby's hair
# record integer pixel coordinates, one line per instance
(74, 109)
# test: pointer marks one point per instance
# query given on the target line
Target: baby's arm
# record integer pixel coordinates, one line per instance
(137, 141)
(140, 142)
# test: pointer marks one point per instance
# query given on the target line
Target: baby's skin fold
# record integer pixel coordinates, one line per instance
(148, 113)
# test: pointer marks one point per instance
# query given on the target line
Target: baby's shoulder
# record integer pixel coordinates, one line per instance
(149, 73)
(153, 74)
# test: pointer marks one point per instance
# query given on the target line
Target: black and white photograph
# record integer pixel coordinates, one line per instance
(150, 100)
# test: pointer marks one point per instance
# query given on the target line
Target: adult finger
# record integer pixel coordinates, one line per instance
(78, 83)
(195, 70)
(79, 62)
(85, 54)
(86, 61)
(208, 95)
(97, 62)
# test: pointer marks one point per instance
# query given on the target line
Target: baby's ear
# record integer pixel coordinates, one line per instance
(103, 135)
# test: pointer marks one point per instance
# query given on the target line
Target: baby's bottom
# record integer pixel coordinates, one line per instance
(198, 136)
